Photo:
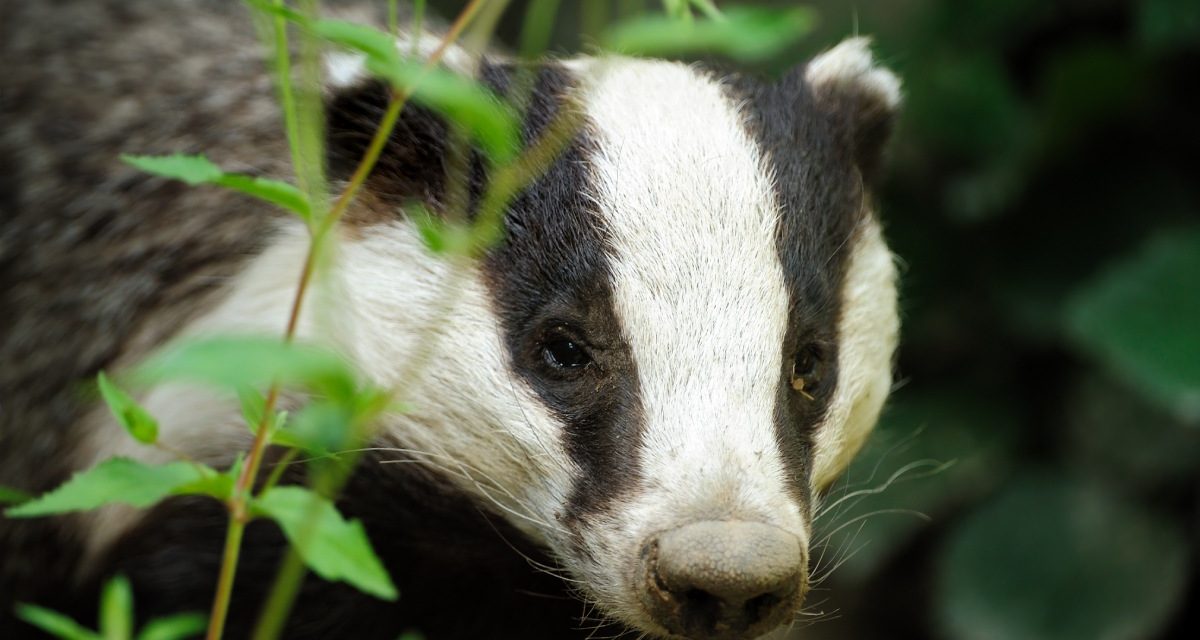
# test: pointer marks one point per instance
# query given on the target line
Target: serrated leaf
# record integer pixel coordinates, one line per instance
(116, 480)
(747, 34)
(116, 609)
(136, 420)
(1140, 319)
(9, 495)
(464, 101)
(252, 362)
(176, 627)
(197, 169)
(54, 623)
(333, 547)
(1056, 558)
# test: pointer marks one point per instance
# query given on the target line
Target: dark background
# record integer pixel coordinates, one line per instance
(1043, 196)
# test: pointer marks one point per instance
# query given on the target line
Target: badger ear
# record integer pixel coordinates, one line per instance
(412, 166)
(859, 96)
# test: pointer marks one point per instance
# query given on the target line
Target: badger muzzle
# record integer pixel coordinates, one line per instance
(718, 580)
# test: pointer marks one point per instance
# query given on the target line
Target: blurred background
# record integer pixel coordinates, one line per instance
(1037, 474)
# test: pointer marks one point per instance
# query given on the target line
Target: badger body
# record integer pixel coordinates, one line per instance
(622, 422)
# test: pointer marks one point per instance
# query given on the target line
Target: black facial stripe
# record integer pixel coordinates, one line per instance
(551, 268)
(819, 191)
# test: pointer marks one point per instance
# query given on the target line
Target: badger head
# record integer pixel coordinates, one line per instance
(684, 335)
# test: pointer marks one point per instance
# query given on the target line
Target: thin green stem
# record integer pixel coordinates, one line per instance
(220, 608)
(418, 19)
(279, 468)
(287, 582)
(283, 595)
(287, 96)
(537, 28)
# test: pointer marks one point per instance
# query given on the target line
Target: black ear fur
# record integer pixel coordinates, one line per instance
(413, 163)
(861, 98)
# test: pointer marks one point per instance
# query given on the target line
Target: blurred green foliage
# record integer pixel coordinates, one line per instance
(1044, 201)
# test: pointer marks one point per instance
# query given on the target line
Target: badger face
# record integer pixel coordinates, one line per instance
(684, 335)
(692, 318)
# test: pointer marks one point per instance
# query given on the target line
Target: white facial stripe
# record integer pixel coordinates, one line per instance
(867, 337)
(697, 286)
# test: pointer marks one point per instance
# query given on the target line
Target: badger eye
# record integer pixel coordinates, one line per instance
(808, 367)
(563, 353)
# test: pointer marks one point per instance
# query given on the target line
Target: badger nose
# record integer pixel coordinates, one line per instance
(718, 580)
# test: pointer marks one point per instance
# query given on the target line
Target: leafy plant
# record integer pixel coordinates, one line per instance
(116, 619)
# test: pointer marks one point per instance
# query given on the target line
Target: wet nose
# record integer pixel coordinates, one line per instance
(728, 579)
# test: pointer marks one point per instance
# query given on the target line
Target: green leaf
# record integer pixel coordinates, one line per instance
(274, 191)
(747, 34)
(253, 404)
(334, 548)
(252, 362)
(194, 170)
(54, 623)
(197, 170)
(319, 428)
(136, 420)
(176, 627)
(116, 480)
(9, 495)
(218, 484)
(1140, 319)
(463, 100)
(1163, 25)
(1056, 558)
(445, 238)
(116, 609)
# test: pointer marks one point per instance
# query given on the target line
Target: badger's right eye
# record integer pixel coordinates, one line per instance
(564, 353)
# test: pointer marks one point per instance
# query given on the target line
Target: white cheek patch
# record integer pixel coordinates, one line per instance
(867, 337)
(699, 292)
(387, 310)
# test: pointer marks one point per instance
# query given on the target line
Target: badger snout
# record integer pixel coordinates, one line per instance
(723, 579)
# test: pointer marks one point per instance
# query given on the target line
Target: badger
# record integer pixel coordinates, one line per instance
(624, 421)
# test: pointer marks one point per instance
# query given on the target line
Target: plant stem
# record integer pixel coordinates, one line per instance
(283, 75)
(287, 583)
(220, 608)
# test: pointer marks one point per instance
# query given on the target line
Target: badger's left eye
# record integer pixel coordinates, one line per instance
(808, 369)
(564, 353)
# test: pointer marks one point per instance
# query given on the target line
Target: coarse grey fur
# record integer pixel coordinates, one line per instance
(97, 258)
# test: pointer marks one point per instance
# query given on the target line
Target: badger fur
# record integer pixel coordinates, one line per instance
(626, 416)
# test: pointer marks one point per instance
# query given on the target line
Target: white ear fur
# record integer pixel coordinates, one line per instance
(850, 65)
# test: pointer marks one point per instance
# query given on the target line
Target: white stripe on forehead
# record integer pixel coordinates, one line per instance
(697, 282)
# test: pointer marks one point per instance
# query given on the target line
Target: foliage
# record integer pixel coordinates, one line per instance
(116, 619)
(1047, 227)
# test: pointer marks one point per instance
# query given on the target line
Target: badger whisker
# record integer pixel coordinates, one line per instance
(465, 472)
(935, 467)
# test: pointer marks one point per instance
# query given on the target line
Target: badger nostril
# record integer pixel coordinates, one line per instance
(700, 609)
(716, 580)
